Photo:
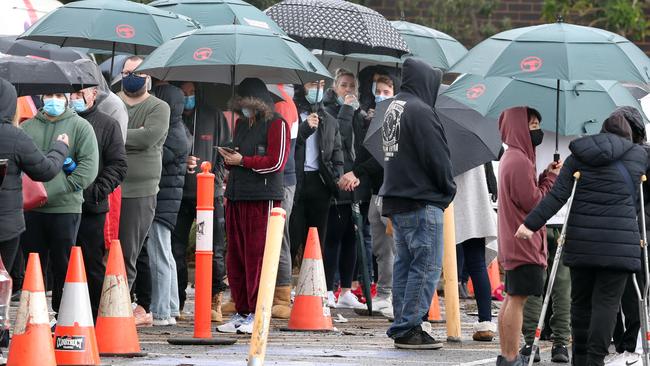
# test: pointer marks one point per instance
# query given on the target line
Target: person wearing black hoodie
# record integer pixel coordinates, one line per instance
(418, 186)
(256, 160)
(22, 156)
(602, 234)
(164, 283)
(319, 164)
(112, 170)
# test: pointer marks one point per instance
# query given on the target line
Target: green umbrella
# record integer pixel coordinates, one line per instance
(584, 105)
(557, 51)
(434, 47)
(228, 54)
(219, 12)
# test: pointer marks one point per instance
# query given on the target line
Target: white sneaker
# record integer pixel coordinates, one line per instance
(160, 322)
(232, 325)
(388, 313)
(349, 301)
(331, 299)
(380, 303)
(172, 320)
(246, 326)
(625, 359)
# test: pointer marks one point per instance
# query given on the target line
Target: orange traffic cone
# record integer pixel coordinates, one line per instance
(470, 287)
(31, 343)
(434, 309)
(116, 333)
(74, 336)
(310, 311)
(494, 274)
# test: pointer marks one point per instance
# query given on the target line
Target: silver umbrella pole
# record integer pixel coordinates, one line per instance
(551, 279)
(643, 294)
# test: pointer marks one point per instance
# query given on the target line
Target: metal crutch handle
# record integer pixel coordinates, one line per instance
(551, 279)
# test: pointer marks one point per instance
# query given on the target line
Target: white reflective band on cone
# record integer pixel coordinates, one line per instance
(116, 299)
(312, 278)
(204, 222)
(75, 306)
(33, 308)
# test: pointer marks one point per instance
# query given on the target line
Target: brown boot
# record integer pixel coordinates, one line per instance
(281, 303)
(228, 308)
(216, 308)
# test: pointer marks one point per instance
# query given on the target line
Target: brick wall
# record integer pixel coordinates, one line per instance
(520, 13)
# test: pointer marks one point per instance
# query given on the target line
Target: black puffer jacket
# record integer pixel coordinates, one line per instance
(112, 160)
(602, 229)
(174, 159)
(22, 155)
(329, 144)
(350, 127)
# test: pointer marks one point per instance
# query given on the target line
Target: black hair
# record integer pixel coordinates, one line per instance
(533, 112)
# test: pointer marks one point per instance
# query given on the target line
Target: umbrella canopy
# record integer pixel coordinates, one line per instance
(115, 25)
(22, 47)
(214, 54)
(338, 26)
(584, 105)
(16, 16)
(433, 47)
(219, 12)
(33, 76)
(473, 140)
(557, 51)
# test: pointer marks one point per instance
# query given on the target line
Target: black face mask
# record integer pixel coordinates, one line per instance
(536, 137)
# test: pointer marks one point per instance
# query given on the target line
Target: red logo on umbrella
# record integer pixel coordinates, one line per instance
(125, 31)
(202, 53)
(531, 64)
(475, 91)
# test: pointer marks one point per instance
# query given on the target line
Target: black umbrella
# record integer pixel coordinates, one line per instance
(473, 139)
(32, 76)
(338, 26)
(23, 47)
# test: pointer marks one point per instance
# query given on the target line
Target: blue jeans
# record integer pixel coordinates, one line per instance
(418, 263)
(164, 283)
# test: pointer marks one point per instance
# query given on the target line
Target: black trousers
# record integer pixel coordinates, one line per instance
(142, 284)
(8, 251)
(595, 298)
(340, 254)
(627, 330)
(311, 209)
(180, 240)
(91, 241)
(51, 236)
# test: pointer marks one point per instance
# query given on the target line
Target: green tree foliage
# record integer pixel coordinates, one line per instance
(625, 17)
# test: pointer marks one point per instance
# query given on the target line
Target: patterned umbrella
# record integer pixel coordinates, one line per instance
(338, 26)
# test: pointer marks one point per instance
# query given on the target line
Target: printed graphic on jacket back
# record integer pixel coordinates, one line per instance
(390, 128)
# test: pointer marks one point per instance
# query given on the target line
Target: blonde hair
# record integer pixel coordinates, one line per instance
(340, 73)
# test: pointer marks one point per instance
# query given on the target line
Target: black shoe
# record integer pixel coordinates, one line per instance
(463, 293)
(559, 354)
(519, 361)
(525, 351)
(417, 339)
(15, 298)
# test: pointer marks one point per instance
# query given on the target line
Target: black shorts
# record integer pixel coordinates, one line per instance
(526, 280)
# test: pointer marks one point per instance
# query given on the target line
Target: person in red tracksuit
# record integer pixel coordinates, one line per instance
(255, 185)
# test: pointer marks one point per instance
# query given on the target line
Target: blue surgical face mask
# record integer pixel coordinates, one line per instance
(54, 106)
(133, 83)
(247, 112)
(380, 98)
(340, 100)
(78, 105)
(190, 102)
(314, 95)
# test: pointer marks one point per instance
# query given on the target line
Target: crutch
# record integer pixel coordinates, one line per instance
(643, 294)
(551, 279)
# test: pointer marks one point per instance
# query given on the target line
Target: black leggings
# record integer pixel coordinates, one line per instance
(340, 246)
(8, 251)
